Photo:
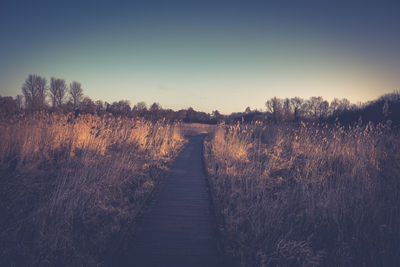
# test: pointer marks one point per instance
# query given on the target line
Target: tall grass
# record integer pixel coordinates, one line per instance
(69, 186)
(307, 195)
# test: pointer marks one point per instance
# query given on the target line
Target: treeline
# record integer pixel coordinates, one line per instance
(385, 109)
(296, 109)
(58, 96)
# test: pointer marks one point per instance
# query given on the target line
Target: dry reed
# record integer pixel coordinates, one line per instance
(307, 195)
(70, 185)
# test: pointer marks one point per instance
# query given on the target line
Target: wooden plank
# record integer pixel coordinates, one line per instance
(178, 227)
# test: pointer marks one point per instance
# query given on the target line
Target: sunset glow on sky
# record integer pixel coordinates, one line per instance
(208, 55)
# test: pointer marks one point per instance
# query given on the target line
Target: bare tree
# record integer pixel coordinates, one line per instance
(34, 90)
(58, 89)
(19, 99)
(122, 107)
(100, 107)
(87, 106)
(333, 107)
(287, 109)
(296, 103)
(323, 109)
(8, 105)
(274, 105)
(216, 114)
(140, 106)
(76, 92)
(315, 105)
(344, 104)
(155, 107)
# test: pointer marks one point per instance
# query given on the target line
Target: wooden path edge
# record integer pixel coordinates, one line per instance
(219, 222)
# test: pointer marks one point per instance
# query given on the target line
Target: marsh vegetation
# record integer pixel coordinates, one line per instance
(70, 186)
(306, 194)
(290, 186)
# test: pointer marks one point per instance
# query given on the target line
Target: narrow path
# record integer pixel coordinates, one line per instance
(178, 227)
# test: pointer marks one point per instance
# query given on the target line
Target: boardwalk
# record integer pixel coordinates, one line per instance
(177, 228)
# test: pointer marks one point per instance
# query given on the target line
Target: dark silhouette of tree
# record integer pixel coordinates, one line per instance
(296, 104)
(68, 106)
(155, 107)
(8, 105)
(314, 104)
(100, 107)
(344, 104)
(190, 115)
(140, 106)
(155, 111)
(216, 115)
(19, 100)
(140, 109)
(76, 92)
(87, 106)
(58, 89)
(323, 110)
(121, 107)
(34, 90)
(274, 106)
(247, 110)
(181, 114)
(107, 106)
(333, 107)
(382, 110)
(287, 110)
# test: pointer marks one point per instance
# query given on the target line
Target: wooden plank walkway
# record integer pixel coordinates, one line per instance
(178, 227)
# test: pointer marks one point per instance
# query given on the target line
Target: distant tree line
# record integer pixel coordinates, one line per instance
(58, 96)
(385, 109)
(70, 98)
(314, 108)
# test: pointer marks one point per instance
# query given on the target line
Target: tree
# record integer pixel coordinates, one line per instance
(155, 107)
(58, 89)
(333, 107)
(87, 106)
(296, 104)
(140, 106)
(216, 114)
(181, 114)
(247, 110)
(315, 106)
(344, 104)
(274, 106)
(100, 107)
(8, 105)
(76, 92)
(19, 99)
(121, 107)
(34, 90)
(323, 109)
(287, 109)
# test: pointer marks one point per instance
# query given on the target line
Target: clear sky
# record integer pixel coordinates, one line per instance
(208, 55)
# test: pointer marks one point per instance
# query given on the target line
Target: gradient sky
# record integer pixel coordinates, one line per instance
(208, 55)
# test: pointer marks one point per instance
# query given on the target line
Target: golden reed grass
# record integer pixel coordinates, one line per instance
(69, 185)
(307, 195)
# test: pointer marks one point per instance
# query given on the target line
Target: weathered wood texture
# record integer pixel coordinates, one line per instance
(177, 229)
